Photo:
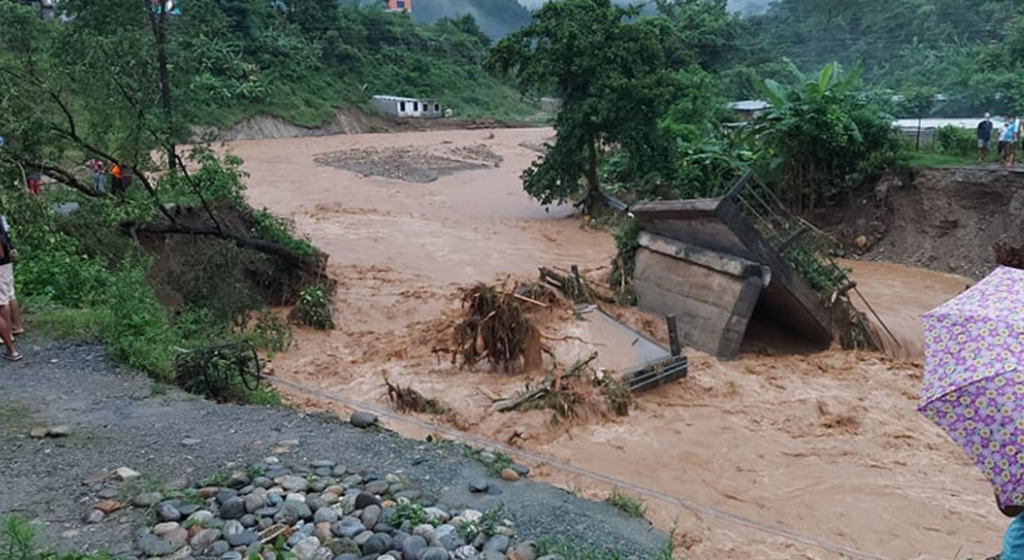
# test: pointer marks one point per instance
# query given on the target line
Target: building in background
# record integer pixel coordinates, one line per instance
(407, 107)
(398, 6)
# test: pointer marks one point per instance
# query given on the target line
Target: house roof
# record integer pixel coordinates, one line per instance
(408, 99)
(750, 105)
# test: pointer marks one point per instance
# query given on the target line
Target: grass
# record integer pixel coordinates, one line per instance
(933, 159)
(18, 542)
(627, 504)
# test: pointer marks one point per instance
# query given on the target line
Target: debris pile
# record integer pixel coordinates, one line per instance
(495, 328)
(566, 393)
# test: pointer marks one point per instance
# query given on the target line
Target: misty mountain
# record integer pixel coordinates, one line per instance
(498, 18)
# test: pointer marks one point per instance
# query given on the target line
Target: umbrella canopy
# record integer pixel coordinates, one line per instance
(974, 377)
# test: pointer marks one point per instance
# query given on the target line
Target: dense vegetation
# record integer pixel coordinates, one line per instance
(969, 51)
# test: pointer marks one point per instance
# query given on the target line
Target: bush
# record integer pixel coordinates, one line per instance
(952, 140)
(314, 309)
(17, 542)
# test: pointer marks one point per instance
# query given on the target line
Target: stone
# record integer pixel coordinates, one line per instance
(314, 503)
(509, 474)
(377, 487)
(264, 523)
(487, 457)
(161, 529)
(323, 553)
(147, 499)
(153, 545)
(465, 553)
(443, 531)
(362, 419)
(471, 515)
(364, 499)
(378, 543)
(436, 515)
(412, 546)
(244, 538)
(294, 507)
(108, 506)
(248, 521)
(269, 511)
(388, 556)
(478, 485)
(325, 515)
(343, 546)
(411, 495)
(339, 470)
(231, 555)
(124, 473)
(167, 512)
(189, 442)
(497, 543)
(254, 502)
(371, 514)
(347, 527)
(329, 498)
(238, 480)
(39, 432)
(432, 553)
(494, 491)
(526, 550)
(178, 536)
(94, 516)
(232, 528)
(323, 532)
(351, 480)
(295, 483)
(234, 508)
(59, 431)
(451, 541)
(306, 548)
(551, 557)
(521, 470)
(204, 539)
(182, 553)
(207, 492)
(491, 555)
(201, 517)
(323, 464)
(187, 509)
(108, 492)
(426, 531)
(225, 495)
(219, 548)
(348, 556)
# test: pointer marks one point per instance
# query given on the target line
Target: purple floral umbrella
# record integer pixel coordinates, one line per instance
(974, 377)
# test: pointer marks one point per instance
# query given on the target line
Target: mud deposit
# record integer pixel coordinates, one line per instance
(827, 445)
(411, 164)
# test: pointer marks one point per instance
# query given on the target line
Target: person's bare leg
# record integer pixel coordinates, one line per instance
(16, 326)
(5, 330)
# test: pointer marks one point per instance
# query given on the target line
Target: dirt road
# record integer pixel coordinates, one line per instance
(829, 445)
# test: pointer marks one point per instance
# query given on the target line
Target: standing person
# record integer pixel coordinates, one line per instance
(7, 255)
(984, 137)
(1013, 541)
(99, 175)
(35, 182)
(115, 179)
(1010, 138)
(16, 325)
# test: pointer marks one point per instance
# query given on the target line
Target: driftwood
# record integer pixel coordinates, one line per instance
(407, 399)
(552, 384)
(574, 286)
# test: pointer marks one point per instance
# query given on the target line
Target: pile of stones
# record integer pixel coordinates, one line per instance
(320, 512)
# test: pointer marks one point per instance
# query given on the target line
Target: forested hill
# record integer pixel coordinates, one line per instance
(969, 50)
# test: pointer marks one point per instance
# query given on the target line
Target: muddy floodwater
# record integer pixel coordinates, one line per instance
(828, 446)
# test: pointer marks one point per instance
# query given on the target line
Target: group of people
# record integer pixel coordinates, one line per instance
(1007, 135)
(10, 315)
(120, 178)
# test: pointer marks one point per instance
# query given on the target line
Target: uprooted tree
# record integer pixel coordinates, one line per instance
(73, 92)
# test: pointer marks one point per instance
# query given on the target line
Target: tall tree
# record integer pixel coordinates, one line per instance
(615, 75)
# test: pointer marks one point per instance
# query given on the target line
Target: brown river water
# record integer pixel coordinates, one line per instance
(826, 445)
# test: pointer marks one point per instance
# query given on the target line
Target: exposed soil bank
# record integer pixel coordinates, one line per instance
(119, 419)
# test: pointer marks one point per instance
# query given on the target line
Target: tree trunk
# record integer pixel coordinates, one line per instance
(159, 25)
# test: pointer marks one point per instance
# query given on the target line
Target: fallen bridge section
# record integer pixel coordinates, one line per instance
(706, 263)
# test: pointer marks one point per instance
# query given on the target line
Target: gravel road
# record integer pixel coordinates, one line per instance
(121, 419)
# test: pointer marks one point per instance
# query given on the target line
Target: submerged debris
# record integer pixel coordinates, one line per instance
(566, 392)
(495, 328)
(407, 399)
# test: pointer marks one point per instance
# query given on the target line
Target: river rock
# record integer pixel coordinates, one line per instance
(497, 543)
(204, 539)
(248, 521)
(347, 527)
(323, 532)
(510, 475)
(378, 487)
(478, 485)
(167, 512)
(362, 419)
(295, 484)
(432, 553)
(153, 545)
(412, 546)
(465, 553)
(325, 515)
(94, 516)
(238, 480)
(231, 555)
(364, 499)
(436, 515)
(443, 531)
(220, 548)
(330, 498)
(201, 517)
(244, 538)
(379, 543)
(521, 470)
(371, 515)
(147, 499)
(161, 529)
(178, 536)
(254, 502)
(306, 548)
(233, 508)
(425, 531)
(411, 495)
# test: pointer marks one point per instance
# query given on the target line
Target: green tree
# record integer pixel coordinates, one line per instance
(615, 77)
(819, 134)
